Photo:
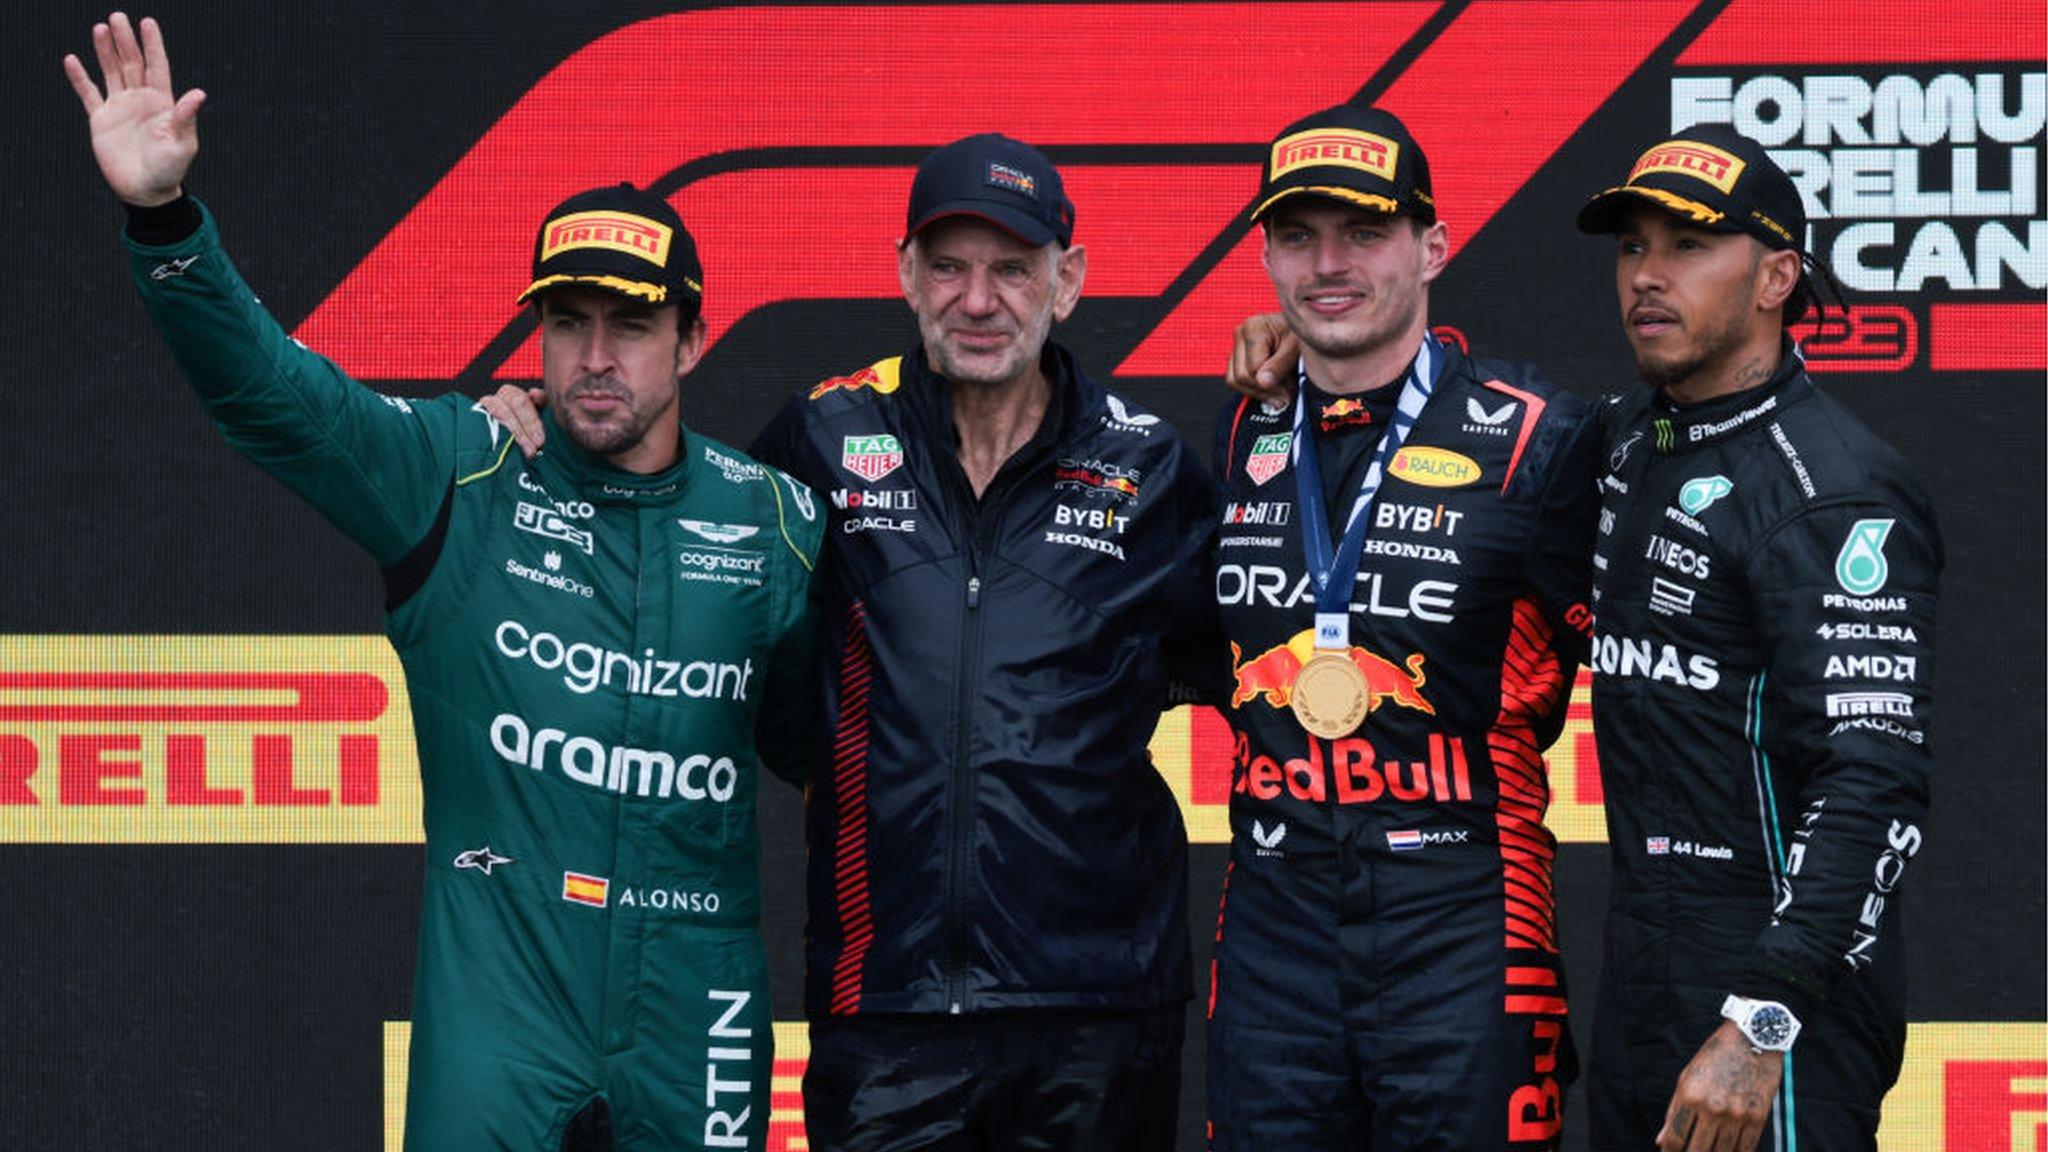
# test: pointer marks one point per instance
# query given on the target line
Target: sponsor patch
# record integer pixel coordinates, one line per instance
(741, 566)
(1269, 456)
(1479, 414)
(1010, 179)
(1272, 513)
(719, 533)
(1840, 704)
(1702, 162)
(1336, 148)
(1434, 467)
(172, 269)
(1699, 493)
(735, 470)
(1078, 540)
(482, 859)
(1860, 567)
(614, 231)
(1856, 630)
(1343, 413)
(875, 500)
(1121, 483)
(1268, 841)
(1619, 456)
(853, 525)
(549, 523)
(1123, 419)
(1670, 598)
(871, 457)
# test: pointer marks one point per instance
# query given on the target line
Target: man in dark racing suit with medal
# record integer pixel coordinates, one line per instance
(1402, 570)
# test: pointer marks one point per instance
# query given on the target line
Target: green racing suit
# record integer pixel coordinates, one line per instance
(598, 662)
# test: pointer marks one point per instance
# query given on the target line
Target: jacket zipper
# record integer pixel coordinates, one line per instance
(983, 519)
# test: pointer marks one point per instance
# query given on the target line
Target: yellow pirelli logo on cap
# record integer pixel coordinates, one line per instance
(1688, 158)
(617, 231)
(1336, 148)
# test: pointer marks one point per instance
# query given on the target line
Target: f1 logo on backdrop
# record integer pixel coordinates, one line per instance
(813, 143)
(794, 132)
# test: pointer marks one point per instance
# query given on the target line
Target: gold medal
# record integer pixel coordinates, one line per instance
(1329, 695)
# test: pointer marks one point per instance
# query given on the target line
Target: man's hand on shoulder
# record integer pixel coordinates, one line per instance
(1263, 355)
(518, 409)
(1723, 1097)
(143, 136)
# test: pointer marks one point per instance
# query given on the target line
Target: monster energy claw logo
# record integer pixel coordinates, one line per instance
(1664, 436)
(1860, 566)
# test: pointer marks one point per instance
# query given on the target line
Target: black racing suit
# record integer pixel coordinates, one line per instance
(1386, 971)
(1762, 670)
(987, 831)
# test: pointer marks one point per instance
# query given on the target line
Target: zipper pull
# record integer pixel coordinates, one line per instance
(974, 591)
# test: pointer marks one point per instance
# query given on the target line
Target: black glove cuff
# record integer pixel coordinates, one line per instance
(162, 225)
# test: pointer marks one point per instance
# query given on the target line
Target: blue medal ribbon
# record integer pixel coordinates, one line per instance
(1334, 570)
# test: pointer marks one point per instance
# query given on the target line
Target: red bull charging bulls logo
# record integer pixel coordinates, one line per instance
(1271, 673)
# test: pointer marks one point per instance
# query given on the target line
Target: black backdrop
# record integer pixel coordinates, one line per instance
(209, 995)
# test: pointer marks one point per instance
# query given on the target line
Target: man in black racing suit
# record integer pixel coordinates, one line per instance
(1762, 670)
(1386, 971)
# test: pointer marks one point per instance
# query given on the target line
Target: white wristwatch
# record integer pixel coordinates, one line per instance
(1768, 1025)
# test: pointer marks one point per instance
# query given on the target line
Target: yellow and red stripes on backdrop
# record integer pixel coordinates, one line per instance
(308, 740)
(1966, 1087)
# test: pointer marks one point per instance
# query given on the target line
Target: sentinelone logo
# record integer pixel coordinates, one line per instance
(205, 739)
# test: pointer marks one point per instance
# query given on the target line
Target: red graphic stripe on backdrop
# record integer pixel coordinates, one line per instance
(1866, 32)
(1490, 100)
(1987, 337)
(439, 287)
(1134, 221)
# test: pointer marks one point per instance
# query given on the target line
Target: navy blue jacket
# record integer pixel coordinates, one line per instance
(987, 831)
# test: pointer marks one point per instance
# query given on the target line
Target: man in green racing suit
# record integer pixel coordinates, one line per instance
(600, 646)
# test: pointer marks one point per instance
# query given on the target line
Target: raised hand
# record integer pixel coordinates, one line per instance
(143, 136)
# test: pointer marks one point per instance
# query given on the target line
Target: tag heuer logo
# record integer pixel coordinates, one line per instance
(871, 457)
(1269, 456)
